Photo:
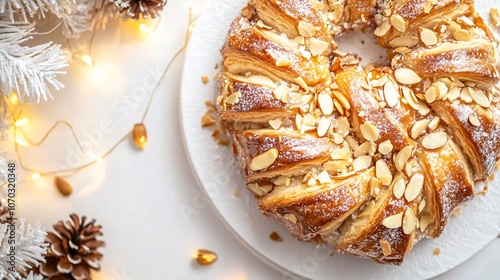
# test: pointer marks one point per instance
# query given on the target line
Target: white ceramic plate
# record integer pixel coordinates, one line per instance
(215, 170)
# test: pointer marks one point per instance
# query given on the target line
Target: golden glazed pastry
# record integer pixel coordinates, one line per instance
(369, 160)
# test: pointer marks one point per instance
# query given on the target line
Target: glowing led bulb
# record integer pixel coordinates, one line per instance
(88, 60)
(205, 257)
(144, 28)
(21, 122)
(21, 142)
(140, 136)
(14, 99)
(35, 176)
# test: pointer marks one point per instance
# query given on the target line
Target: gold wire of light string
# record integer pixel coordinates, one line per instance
(38, 173)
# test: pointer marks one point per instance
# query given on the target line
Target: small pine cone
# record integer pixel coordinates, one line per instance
(135, 8)
(73, 250)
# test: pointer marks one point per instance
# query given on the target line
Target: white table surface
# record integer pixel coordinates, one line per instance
(154, 215)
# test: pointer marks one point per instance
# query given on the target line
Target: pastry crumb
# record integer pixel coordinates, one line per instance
(457, 212)
(275, 237)
(205, 79)
(236, 192)
(207, 120)
(220, 138)
(216, 66)
(386, 247)
(437, 251)
(484, 191)
(495, 16)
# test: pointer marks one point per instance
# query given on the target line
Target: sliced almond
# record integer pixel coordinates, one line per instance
(263, 25)
(410, 97)
(283, 62)
(280, 91)
(369, 131)
(282, 180)
(375, 186)
(341, 153)
(418, 128)
(298, 121)
(379, 82)
(421, 206)
(276, 123)
(266, 188)
(474, 120)
(441, 89)
(465, 21)
(398, 22)
(386, 247)
(495, 17)
(336, 166)
(262, 80)
(337, 138)
(434, 123)
(325, 103)
(402, 157)
(424, 222)
(362, 163)
(306, 29)
(409, 167)
(465, 95)
(404, 41)
(291, 218)
(431, 94)
(302, 83)
(367, 148)
(335, 64)
(391, 94)
(323, 126)
(312, 182)
(323, 177)
(402, 50)
(428, 36)
(399, 188)
(394, 221)
(383, 28)
(414, 187)
(342, 126)
(409, 221)
(407, 76)
(462, 35)
(255, 189)
(317, 47)
(423, 109)
(383, 172)
(435, 140)
(342, 99)
(480, 98)
(453, 93)
(385, 147)
(353, 144)
(233, 98)
(264, 160)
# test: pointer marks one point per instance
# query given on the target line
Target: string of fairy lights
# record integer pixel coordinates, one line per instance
(138, 132)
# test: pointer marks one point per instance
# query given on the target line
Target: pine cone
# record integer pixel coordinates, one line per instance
(73, 250)
(135, 8)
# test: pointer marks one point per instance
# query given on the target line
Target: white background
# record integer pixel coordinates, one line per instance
(153, 213)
